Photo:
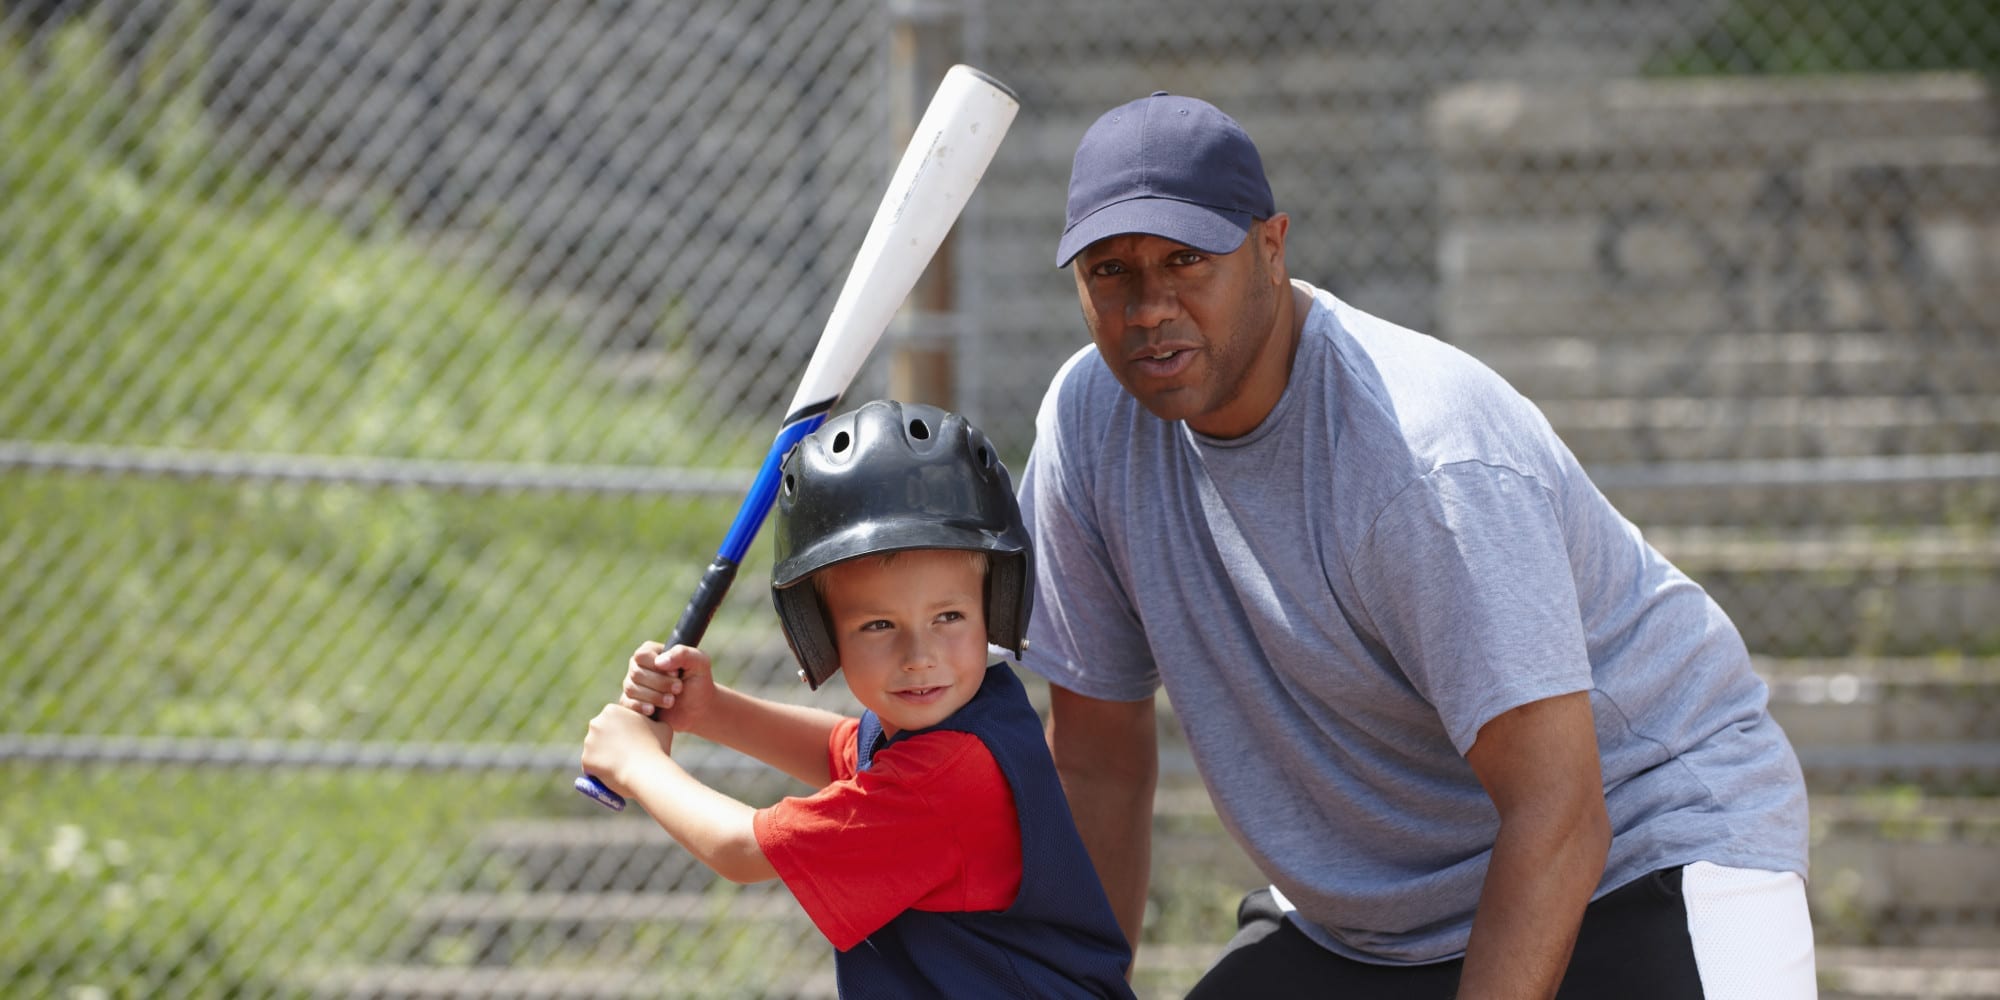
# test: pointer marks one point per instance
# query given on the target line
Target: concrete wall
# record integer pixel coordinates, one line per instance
(1703, 208)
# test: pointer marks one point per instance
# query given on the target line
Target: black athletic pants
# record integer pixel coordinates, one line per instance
(1633, 945)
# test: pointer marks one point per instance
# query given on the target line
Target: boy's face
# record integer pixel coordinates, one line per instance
(911, 633)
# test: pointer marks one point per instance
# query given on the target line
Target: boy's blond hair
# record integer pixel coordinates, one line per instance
(973, 557)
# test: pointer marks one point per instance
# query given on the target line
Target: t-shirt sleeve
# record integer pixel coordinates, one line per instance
(1466, 579)
(930, 825)
(843, 753)
(1084, 634)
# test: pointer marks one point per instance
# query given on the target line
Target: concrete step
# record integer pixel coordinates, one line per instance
(483, 929)
(625, 855)
(1898, 869)
(1884, 702)
(1887, 493)
(1936, 768)
(1746, 365)
(1848, 973)
(1865, 723)
(1906, 870)
(1895, 869)
(1851, 591)
(1687, 303)
(642, 979)
(1685, 428)
(1165, 970)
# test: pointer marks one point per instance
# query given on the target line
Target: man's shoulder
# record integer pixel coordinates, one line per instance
(1087, 419)
(1083, 385)
(1392, 351)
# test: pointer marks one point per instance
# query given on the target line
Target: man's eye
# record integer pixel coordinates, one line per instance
(1108, 269)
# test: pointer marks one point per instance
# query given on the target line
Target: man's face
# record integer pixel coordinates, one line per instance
(1193, 336)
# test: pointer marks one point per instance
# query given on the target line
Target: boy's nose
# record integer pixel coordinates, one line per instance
(916, 654)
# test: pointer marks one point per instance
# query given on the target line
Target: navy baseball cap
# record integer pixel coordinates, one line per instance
(1168, 166)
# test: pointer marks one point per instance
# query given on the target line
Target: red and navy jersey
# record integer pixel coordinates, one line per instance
(984, 911)
(930, 826)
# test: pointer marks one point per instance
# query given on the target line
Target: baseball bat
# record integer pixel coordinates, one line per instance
(947, 154)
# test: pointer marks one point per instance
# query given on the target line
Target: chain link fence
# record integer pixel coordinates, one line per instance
(376, 375)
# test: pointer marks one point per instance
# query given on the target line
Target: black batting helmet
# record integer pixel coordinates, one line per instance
(887, 477)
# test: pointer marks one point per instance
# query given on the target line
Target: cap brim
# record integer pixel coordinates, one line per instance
(1206, 229)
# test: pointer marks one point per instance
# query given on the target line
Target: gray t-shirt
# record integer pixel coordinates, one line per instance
(1338, 601)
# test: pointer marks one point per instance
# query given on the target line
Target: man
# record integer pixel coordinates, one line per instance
(1481, 737)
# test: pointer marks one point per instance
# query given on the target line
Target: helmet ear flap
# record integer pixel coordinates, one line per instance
(1009, 598)
(804, 618)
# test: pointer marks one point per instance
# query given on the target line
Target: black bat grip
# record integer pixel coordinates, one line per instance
(693, 624)
(700, 610)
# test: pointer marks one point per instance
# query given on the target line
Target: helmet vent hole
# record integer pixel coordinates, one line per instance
(985, 458)
(840, 442)
(791, 484)
(919, 431)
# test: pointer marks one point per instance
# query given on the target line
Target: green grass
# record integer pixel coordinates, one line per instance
(159, 296)
(148, 883)
(288, 611)
(155, 293)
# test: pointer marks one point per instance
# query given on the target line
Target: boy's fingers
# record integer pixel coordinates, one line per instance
(681, 659)
(645, 694)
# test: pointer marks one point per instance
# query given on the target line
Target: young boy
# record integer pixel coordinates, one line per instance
(938, 854)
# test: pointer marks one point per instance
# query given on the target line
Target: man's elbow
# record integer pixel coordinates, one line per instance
(1574, 830)
(1587, 835)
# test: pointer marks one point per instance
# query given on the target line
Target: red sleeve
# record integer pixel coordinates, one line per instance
(843, 749)
(930, 826)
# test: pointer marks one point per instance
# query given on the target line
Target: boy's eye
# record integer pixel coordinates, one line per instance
(878, 625)
(952, 616)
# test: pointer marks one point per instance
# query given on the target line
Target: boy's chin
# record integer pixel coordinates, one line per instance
(899, 712)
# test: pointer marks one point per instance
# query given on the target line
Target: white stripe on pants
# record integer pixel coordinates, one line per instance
(1752, 933)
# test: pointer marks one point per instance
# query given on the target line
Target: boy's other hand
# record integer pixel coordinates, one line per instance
(618, 739)
(676, 685)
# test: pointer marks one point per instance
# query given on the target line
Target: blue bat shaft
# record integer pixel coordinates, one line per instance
(715, 581)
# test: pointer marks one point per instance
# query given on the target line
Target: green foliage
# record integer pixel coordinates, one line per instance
(193, 883)
(154, 292)
(159, 295)
(1772, 37)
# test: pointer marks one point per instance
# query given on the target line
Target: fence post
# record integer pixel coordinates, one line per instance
(926, 40)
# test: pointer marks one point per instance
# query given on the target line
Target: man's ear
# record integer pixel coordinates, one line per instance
(1271, 233)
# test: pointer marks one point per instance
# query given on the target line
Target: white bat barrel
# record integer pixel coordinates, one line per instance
(947, 155)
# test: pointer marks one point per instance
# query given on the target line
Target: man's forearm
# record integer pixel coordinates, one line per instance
(1108, 756)
(1115, 819)
(1541, 877)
